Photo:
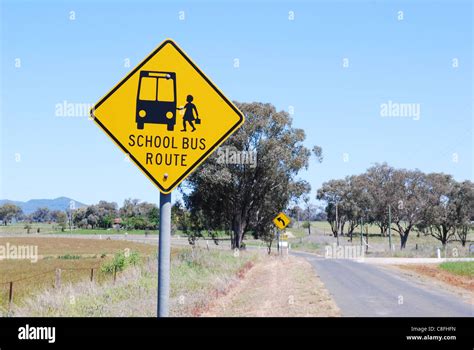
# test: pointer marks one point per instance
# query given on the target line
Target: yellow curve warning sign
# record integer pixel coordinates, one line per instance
(167, 116)
(281, 221)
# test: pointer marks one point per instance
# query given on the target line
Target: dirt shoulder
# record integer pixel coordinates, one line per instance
(433, 275)
(278, 287)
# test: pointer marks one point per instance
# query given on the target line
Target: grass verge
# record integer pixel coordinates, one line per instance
(197, 277)
(462, 268)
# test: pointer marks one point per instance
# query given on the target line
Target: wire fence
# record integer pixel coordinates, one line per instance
(15, 290)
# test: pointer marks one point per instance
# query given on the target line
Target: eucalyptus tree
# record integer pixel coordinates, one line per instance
(9, 211)
(378, 184)
(410, 199)
(243, 198)
(333, 192)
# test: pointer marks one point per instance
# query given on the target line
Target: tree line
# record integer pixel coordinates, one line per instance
(435, 204)
(10, 212)
(133, 214)
(242, 199)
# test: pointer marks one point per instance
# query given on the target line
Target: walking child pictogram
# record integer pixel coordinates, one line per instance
(188, 117)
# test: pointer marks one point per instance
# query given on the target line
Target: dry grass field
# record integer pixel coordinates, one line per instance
(75, 258)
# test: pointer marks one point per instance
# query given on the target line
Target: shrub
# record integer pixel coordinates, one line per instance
(69, 257)
(120, 262)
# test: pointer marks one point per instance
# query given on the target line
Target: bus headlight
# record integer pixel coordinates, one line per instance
(142, 113)
(169, 115)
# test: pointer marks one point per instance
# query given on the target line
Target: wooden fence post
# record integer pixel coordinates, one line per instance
(92, 274)
(115, 273)
(10, 296)
(57, 283)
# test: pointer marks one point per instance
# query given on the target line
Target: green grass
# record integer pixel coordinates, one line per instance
(46, 228)
(463, 268)
(81, 231)
(324, 227)
(69, 257)
(20, 228)
(310, 247)
(52, 228)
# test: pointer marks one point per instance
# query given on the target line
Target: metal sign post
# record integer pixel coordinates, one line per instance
(280, 221)
(164, 248)
(278, 240)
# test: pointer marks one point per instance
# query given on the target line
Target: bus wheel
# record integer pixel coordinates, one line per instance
(170, 127)
(140, 126)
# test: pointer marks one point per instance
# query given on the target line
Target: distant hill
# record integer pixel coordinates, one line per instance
(61, 203)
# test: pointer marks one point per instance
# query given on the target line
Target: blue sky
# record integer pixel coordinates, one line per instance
(286, 62)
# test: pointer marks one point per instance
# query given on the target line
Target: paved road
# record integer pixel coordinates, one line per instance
(366, 290)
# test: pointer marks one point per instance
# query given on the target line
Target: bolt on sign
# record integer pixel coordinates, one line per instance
(167, 116)
(281, 221)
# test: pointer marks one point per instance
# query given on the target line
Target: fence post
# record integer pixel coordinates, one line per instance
(57, 283)
(10, 296)
(92, 274)
(115, 273)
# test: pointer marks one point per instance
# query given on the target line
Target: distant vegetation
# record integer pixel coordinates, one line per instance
(433, 204)
(133, 215)
(60, 203)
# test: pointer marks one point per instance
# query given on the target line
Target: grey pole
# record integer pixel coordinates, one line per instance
(390, 227)
(164, 248)
(277, 233)
(337, 228)
(279, 244)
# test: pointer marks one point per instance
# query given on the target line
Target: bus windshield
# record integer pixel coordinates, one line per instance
(165, 90)
(158, 88)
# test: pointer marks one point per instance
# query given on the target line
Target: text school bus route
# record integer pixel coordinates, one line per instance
(165, 149)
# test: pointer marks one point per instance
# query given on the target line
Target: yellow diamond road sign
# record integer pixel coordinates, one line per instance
(281, 221)
(167, 116)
